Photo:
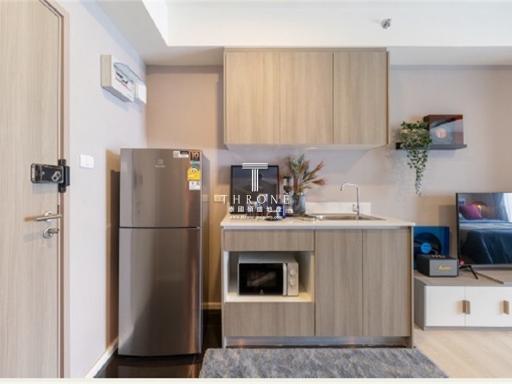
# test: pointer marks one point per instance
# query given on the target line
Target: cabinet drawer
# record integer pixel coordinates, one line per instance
(268, 319)
(444, 307)
(278, 240)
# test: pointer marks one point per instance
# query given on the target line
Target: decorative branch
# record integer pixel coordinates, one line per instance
(303, 178)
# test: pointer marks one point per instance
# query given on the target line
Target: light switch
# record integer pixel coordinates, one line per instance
(219, 198)
(86, 161)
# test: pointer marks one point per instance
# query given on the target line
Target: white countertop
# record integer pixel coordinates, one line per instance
(240, 222)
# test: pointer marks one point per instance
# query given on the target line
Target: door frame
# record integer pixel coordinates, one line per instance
(63, 248)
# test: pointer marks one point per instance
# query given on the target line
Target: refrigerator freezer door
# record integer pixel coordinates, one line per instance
(159, 292)
(155, 189)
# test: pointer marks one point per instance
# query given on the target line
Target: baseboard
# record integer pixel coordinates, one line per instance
(111, 349)
(211, 306)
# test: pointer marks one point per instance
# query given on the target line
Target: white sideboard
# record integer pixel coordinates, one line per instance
(461, 302)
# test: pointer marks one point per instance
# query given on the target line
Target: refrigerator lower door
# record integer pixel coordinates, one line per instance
(160, 291)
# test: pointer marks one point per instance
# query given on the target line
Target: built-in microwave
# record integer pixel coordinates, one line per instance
(268, 274)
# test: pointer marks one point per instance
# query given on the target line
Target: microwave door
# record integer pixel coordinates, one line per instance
(260, 279)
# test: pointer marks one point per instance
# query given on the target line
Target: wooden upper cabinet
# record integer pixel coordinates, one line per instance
(306, 97)
(251, 97)
(305, 80)
(361, 97)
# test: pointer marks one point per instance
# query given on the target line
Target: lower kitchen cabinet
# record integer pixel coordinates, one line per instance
(339, 287)
(387, 287)
(354, 283)
(268, 319)
(363, 282)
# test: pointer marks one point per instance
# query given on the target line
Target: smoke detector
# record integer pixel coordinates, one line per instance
(385, 23)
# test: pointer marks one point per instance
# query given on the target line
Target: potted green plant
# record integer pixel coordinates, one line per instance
(415, 140)
(302, 179)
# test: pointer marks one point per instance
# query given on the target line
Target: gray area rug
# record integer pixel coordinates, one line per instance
(318, 363)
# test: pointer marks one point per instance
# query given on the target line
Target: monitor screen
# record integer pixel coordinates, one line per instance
(484, 227)
(242, 193)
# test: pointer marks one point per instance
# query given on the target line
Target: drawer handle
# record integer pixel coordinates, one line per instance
(506, 307)
(466, 307)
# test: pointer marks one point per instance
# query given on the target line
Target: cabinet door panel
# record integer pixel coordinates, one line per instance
(387, 291)
(487, 307)
(305, 97)
(251, 97)
(339, 283)
(360, 97)
(268, 319)
(266, 240)
(444, 307)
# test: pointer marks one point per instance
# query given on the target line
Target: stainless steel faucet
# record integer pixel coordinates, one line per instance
(358, 209)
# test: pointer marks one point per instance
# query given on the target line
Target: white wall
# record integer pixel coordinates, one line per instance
(99, 125)
(185, 109)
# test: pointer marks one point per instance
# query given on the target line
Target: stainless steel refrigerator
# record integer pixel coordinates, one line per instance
(160, 247)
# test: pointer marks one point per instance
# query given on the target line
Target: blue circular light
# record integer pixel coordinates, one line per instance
(426, 248)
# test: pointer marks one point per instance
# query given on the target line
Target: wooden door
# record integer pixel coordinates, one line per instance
(251, 97)
(30, 132)
(339, 282)
(387, 287)
(361, 97)
(305, 100)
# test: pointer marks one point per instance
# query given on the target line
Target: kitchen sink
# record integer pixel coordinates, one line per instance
(339, 216)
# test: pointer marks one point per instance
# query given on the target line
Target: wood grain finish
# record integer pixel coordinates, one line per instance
(455, 352)
(30, 131)
(306, 96)
(266, 240)
(339, 283)
(305, 80)
(268, 319)
(387, 271)
(251, 97)
(361, 97)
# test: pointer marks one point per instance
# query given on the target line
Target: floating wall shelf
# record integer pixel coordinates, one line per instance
(440, 146)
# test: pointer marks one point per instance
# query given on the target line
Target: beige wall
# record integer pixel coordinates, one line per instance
(185, 110)
(99, 125)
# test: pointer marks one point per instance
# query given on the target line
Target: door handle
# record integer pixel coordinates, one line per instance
(506, 307)
(49, 232)
(466, 307)
(47, 216)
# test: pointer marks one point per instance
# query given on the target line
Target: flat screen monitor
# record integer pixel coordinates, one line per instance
(242, 192)
(484, 228)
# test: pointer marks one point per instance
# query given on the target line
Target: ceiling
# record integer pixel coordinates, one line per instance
(194, 32)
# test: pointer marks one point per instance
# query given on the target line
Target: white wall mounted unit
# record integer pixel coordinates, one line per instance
(120, 80)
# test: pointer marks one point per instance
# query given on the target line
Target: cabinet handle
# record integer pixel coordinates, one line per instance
(466, 307)
(506, 307)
